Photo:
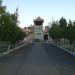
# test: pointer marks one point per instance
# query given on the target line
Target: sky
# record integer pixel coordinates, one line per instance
(28, 10)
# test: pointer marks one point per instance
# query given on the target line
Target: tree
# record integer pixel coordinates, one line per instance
(63, 25)
(63, 22)
(70, 35)
(55, 31)
(9, 30)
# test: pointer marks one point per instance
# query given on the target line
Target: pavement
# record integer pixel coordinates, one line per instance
(38, 59)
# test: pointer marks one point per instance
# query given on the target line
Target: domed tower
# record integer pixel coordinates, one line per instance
(38, 21)
(38, 29)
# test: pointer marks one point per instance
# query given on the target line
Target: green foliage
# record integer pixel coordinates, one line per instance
(9, 30)
(63, 30)
(70, 34)
(63, 25)
(55, 31)
(63, 22)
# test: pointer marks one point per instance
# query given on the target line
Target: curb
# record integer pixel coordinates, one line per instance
(70, 52)
(11, 50)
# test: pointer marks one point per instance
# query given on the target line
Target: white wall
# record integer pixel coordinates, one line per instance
(38, 32)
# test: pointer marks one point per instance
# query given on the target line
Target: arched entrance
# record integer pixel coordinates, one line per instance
(45, 36)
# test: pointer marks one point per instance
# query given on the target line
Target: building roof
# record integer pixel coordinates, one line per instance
(39, 19)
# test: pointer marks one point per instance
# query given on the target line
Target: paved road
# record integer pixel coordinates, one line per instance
(38, 59)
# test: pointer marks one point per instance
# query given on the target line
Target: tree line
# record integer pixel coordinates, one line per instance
(9, 30)
(63, 29)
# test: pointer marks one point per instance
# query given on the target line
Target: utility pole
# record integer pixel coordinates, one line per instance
(16, 15)
(0, 3)
(52, 19)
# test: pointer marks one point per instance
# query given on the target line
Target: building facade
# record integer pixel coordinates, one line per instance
(38, 29)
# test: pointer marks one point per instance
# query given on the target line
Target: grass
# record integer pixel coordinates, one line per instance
(3, 49)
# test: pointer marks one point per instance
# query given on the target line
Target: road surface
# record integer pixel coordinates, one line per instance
(38, 59)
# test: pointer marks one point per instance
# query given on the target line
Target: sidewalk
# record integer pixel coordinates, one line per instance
(15, 48)
(72, 52)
